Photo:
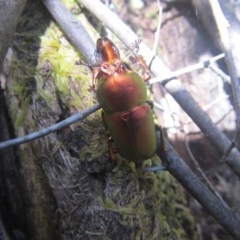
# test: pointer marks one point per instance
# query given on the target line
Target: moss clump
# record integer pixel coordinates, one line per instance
(152, 204)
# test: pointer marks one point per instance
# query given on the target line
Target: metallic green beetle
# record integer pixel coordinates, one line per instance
(127, 114)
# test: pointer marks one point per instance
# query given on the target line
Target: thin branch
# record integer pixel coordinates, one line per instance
(191, 68)
(53, 128)
(199, 169)
(223, 26)
(220, 73)
(233, 144)
(219, 210)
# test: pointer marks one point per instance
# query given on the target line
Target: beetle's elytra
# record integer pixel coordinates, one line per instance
(122, 94)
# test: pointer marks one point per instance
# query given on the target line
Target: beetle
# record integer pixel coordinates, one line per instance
(127, 113)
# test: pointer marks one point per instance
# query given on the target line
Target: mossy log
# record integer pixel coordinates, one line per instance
(62, 186)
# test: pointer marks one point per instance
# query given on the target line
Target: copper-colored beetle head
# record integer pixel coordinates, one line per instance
(106, 51)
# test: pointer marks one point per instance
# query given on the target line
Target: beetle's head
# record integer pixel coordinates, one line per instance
(106, 51)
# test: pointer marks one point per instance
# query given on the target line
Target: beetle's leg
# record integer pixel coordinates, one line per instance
(161, 149)
(150, 103)
(161, 152)
(103, 119)
(135, 45)
(146, 74)
(140, 61)
(96, 72)
(112, 155)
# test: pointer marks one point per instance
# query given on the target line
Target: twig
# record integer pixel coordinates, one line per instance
(233, 143)
(221, 212)
(223, 25)
(204, 64)
(199, 169)
(45, 131)
(220, 73)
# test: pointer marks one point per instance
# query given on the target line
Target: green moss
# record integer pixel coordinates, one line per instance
(155, 202)
(60, 56)
(23, 66)
(55, 60)
(20, 89)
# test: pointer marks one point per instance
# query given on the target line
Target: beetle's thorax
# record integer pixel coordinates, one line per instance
(112, 68)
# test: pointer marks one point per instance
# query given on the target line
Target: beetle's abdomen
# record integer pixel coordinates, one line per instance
(121, 92)
(133, 132)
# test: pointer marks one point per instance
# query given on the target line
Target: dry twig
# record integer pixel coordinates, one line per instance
(221, 212)
(223, 26)
(53, 128)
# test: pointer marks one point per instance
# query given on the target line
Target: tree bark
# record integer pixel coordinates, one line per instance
(64, 185)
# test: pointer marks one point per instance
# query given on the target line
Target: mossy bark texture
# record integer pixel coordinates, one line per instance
(62, 186)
